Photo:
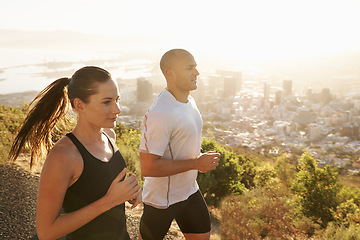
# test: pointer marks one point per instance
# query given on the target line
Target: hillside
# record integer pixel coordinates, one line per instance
(251, 196)
(17, 99)
(19, 188)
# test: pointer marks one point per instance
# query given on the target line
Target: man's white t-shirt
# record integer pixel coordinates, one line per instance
(171, 129)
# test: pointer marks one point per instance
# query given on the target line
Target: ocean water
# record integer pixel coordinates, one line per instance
(27, 69)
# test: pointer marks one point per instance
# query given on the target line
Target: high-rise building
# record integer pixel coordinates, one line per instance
(144, 90)
(229, 86)
(266, 91)
(325, 96)
(235, 74)
(287, 87)
(265, 99)
(279, 97)
(214, 85)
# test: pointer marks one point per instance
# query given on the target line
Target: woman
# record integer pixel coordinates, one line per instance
(84, 172)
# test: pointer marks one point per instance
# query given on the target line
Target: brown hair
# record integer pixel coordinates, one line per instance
(50, 106)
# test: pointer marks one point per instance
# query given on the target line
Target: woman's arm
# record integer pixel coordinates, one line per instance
(61, 169)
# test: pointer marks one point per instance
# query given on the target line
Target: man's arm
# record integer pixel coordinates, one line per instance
(156, 166)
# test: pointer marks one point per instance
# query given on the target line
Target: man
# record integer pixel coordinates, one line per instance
(170, 155)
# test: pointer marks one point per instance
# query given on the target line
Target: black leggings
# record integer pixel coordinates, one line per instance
(191, 215)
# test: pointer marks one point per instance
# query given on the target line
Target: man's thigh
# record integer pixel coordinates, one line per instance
(155, 223)
(191, 215)
(194, 217)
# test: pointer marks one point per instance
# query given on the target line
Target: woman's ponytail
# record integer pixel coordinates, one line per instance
(49, 107)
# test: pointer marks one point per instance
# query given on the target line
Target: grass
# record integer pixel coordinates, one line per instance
(350, 181)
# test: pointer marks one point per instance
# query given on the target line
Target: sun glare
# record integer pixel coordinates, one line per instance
(257, 29)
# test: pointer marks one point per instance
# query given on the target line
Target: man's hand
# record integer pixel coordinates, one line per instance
(207, 161)
(135, 201)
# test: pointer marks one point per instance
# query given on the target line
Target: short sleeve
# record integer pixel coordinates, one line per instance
(156, 133)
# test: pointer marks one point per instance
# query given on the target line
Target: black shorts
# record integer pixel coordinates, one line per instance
(191, 215)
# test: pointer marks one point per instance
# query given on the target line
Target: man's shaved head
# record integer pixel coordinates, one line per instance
(168, 58)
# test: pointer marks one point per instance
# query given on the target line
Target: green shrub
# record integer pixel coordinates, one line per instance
(128, 141)
(305, 226)
(10, 119)
(258, 214)
(336, 232)
(226, 179)
(348, 193)
(265, 176)
(317, 189)
(347, 213)
(285, 171)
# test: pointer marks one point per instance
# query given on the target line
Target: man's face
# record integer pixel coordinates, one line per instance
(185, 72)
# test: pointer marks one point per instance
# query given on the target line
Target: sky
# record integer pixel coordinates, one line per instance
(258, 29)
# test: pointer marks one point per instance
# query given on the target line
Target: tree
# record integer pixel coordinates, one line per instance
(317, 190)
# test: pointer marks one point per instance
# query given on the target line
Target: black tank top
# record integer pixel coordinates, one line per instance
(93, 184)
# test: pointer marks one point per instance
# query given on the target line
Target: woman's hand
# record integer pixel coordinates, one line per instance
(122, 191)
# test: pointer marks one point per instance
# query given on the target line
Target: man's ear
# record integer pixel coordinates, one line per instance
(169, 73)
(79, 105)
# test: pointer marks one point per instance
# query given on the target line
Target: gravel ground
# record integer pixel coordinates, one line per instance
(17, 203)
(18, 191)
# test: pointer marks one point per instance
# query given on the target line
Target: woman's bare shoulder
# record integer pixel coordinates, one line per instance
(63, 164)
(64, 152)
(64, 146)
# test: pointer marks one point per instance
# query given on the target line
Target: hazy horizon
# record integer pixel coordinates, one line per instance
(306, 41)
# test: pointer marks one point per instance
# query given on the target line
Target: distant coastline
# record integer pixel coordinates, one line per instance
(17, 99)
(32, 60)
